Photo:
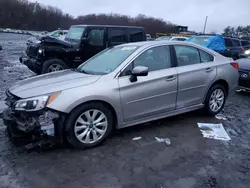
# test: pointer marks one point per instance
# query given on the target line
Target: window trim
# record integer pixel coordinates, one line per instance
(118, 75)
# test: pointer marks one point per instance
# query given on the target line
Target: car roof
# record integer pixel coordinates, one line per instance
(152, 43)
(148, 44)
(121, 26)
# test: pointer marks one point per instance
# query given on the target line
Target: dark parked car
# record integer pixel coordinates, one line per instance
(244, 71)
(229, 47)
(81, 43)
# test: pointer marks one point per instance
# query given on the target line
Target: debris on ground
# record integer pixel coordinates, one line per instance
(161, 140)
(214, 131)
(137, 138)
(220, 117)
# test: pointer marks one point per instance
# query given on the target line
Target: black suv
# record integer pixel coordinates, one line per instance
(81, 43)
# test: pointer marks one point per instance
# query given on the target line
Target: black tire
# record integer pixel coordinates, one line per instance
(207, 110)
(72, 118)
(47, 64)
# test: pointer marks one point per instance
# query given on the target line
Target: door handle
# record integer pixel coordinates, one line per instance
(209, 69)
(170, 78)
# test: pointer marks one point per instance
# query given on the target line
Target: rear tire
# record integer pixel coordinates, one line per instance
(89, 125)
(215, 100)
(53, 65)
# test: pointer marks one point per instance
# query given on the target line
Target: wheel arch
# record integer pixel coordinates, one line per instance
(105, 103)
(222, 82)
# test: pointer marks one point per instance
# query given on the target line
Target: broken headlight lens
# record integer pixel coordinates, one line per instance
(35, 103)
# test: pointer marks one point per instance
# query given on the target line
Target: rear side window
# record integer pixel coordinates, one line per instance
(245, 43)
(117, 36)
(236, 43)
(205, 57)
(135, 35)
(228, 42)
(187, 55)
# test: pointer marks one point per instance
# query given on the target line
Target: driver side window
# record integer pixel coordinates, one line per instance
(156, 58)
(96, 37)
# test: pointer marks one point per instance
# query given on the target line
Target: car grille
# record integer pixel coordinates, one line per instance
(32, 51)
(10, 99)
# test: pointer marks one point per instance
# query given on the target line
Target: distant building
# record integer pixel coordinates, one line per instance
(180, 29)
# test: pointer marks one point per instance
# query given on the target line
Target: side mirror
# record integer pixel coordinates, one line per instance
(138, 71)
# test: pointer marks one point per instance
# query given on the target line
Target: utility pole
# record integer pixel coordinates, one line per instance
(204, 30)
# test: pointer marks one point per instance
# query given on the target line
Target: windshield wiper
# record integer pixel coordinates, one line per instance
(81, 71)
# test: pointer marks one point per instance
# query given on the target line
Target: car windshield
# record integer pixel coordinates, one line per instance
(75, 33)
(52, 33)
(199, 40)
(106, 61)
(164, 38)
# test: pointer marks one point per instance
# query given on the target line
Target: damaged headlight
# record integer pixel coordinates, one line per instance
(40, 51)
(35, 103)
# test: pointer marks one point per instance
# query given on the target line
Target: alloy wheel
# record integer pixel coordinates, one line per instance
(55, 67)
(91, 126)
(216, 100)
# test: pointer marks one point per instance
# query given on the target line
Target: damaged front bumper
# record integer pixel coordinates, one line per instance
(32, 63)
(45, 124)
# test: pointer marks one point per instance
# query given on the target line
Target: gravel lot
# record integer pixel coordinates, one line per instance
(191, 161)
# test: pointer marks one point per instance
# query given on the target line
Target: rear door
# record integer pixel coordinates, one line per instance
(153, 94)
(116, 36)
(96, 42)
(136, 34)
(196, 71)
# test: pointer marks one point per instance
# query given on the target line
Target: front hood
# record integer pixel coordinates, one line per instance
(244, 63)
(49, 83)
(55, 41)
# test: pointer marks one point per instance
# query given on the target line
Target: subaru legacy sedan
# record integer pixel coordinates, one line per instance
(119, 87)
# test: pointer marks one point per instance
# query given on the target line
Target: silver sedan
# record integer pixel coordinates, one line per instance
(122, 86)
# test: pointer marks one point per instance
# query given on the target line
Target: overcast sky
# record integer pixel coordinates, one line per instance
(192, 13)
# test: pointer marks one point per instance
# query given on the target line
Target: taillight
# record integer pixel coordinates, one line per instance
(235, 65)
(243, 50)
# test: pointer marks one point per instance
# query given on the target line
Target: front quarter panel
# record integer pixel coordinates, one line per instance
(106, 89)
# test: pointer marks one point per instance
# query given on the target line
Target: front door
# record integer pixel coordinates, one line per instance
(153, 94)
(196, 71)
(95, 44)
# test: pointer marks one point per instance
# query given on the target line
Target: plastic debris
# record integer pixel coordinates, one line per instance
(137, 138)
(49, 129)
(220, 117)
(161, 140)
(213, 131)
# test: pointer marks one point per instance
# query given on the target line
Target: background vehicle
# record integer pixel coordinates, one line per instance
(244, 73)
(148, 36)
(170, 38)
(81, 43)
(57, 34)
(229, 47)
(246, 46)
(123, 86)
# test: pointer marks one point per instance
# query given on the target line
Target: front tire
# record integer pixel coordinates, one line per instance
(215, 100)
(89, 125)
(53, 65)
